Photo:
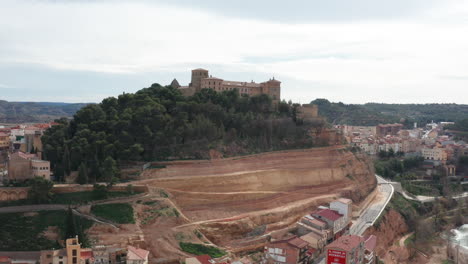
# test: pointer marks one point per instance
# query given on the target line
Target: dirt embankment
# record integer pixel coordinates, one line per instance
(391, 228)
(237, 200)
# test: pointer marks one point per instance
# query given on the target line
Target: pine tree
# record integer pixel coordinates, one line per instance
(109, 169)
(83, 174)
(70, 224)
(66, 161)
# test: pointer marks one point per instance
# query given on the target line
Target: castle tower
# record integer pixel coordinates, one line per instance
(197, 76)
(273, 89)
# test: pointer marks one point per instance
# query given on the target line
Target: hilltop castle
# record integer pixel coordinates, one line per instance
(201, 80)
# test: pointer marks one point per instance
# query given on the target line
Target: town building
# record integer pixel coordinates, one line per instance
(351, 249)
(201, 80)
(136, 255)
(335, 220)
(315, 231)
(20, 257)
(73, 253)
(411, 145)
(434, 153)
(343, 206)
(23, 166)
(388, 129)
(316, 241)
(203, 259)
(361, 131)
(370, 243)
(33, 142)
(4, 141)
(293, 250)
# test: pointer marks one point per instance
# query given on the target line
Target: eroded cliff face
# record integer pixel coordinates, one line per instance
(238, 200)
(391, 228)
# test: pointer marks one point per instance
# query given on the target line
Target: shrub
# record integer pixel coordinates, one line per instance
(199, 249)
(129, 189)
(121, 213)
(99, 192)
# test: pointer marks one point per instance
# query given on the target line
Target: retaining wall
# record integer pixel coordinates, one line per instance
(18, 193)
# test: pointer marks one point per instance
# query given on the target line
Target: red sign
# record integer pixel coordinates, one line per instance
(336, 257)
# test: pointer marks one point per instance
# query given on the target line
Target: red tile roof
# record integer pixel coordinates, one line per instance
(44, 126)
(346, 243)
(32, 128)
(315, 221)
(204, 259)
(298, 243)
(294, 244)
(328, 214)
(86, 254)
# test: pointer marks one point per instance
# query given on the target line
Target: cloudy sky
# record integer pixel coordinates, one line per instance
(354, 51)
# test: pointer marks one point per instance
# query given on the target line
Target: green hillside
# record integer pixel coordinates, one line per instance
(158, 123)
(422, 113)
(24, 112)
(351, 114)
(371, 114)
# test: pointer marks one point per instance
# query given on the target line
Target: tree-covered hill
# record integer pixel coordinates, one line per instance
(371, 114)
(351, 114)
(24, 112)
(158, 123)
(422, 113)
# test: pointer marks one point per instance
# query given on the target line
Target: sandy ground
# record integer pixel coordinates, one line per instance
(221, 201)
(439, 256)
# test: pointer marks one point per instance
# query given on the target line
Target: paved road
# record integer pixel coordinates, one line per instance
(421, 198)
(372, 213)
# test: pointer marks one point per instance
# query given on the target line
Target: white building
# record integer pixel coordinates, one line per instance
(343, 206)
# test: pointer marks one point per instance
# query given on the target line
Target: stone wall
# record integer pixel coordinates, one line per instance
(13, 193)
(18, 193)
(19, 168)
(307, 111)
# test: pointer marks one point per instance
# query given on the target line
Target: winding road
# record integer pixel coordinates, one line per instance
(421, 198)
(373, 212)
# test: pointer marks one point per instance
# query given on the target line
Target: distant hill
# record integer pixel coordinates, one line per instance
(351, 114)
(374, 113)
(25, 112)
(422, 113)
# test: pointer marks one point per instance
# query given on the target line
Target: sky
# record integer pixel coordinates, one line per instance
(353, 51)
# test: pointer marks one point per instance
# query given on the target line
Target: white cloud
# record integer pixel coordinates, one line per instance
(395, 60)
(5, 86)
